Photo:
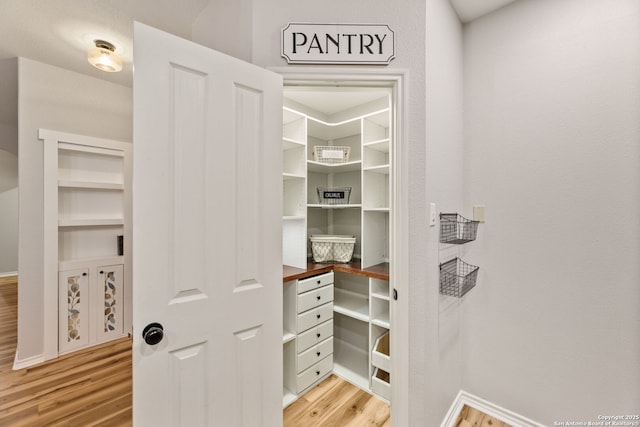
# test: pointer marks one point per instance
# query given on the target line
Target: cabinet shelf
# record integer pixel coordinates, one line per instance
(351, 304)
(89, 222)
(314, 166)
(292, 176)
(288, 144)
(379, 145)
(287, 336)
(347, 206)
(92, 185)
(382, 320)
(381, 169)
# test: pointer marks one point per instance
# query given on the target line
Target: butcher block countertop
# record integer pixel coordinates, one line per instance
(379, 271)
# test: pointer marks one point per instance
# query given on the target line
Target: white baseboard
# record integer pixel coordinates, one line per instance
(9, 274)
(488, 408)
(25, 363)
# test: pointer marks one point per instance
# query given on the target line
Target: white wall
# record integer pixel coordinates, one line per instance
(9, 230)
(552, 131)
(56, 99)
(9, 105)
(444, 186)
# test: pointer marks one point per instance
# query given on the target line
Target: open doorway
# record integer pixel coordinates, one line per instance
(356, 116)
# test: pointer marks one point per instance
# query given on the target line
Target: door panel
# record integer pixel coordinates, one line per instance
(207, 236)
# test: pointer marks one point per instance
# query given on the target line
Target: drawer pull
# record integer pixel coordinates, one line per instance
(318, 316)
(317, 372)
(318, 353)
(318, 297)
(318, 282)
(318, 335)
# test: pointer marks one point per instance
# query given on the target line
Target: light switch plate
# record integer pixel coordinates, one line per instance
(479, 213)
(433, 214)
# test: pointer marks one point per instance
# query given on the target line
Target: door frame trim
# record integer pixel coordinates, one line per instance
(397, 80)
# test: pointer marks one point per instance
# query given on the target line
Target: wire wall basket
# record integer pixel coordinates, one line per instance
(457, 277)
(456, 229)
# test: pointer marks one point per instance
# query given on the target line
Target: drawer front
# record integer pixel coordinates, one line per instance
(314, 335)
(315, 316)
(314, 282)
(316, 372)
(314, 298)
(315, 354)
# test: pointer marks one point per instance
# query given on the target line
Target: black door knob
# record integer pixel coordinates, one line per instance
(153, 333)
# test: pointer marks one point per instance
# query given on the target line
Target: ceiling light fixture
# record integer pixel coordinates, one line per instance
(104, 57)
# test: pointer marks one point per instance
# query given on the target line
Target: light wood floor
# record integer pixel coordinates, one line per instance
(93, 387)
(337, 403)
(87, 388)
(471, 417)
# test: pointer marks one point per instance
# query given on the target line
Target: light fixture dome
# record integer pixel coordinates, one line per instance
(104, 57)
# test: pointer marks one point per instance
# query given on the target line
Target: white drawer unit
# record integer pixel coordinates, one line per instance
(314, 335)
(315, 316)
(308, 317)
(315, 354)
(311, 375)
(314, 282)
(314, 298)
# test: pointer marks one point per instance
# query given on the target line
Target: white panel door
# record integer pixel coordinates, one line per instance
(207, 234)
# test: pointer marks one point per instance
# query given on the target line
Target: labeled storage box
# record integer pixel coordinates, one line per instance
(334, 195)
(332, 248)
(331, 154)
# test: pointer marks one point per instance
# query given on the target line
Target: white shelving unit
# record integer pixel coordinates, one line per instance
(361, 303)
(87, 240)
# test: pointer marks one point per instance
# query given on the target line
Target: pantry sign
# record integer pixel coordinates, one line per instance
(338, 43)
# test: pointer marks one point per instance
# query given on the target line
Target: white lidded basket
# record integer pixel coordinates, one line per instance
(332, 248)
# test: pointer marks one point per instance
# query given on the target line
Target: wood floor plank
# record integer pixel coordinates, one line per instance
(337, 403)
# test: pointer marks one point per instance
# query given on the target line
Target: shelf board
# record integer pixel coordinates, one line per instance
(64, 146)
(288, 176)
(293, 218)
(287, 336)
(382, 320)
(314, 166)
(68, 264)
(379, 145)
(90, 185)
(347, 206)
(380, 295)
(89, 222)
(376, 209)
(351, 304)
(381, 169)
(288, 143)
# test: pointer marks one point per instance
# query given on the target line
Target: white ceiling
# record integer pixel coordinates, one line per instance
(60, 32)
(468, 10)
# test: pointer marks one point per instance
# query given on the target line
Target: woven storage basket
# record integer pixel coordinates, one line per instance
(332, 248)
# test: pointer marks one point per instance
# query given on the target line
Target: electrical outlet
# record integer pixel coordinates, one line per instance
(479, 213)
(432, 214)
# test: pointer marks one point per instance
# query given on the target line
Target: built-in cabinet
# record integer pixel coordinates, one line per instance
(87, 239)
(359, 327)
